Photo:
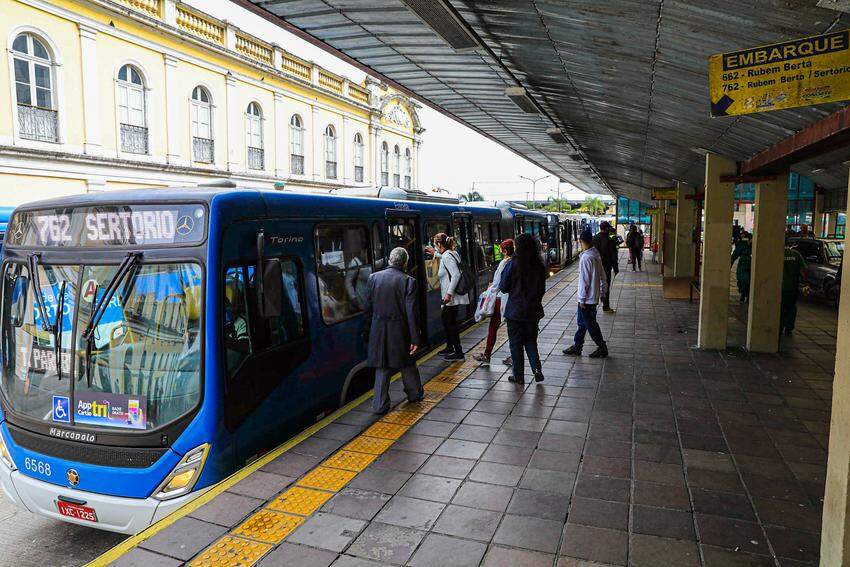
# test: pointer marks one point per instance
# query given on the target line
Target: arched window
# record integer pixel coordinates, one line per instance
(385, 164)
(34, 89)
(396, 167)
(408, 169)
(254, 136)
(358, 158)
(202, 134)
(330, 152)
(296, 145)
(132, 117)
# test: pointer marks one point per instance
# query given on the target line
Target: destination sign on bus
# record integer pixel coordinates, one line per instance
(106, 226)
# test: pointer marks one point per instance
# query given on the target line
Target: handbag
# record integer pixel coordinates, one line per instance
(486, 305)
(466, 281)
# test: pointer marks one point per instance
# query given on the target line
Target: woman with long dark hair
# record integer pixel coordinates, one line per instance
(449, 274)
(524, 280)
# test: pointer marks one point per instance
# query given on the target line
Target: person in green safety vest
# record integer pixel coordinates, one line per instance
(743, 253)
(793, 269)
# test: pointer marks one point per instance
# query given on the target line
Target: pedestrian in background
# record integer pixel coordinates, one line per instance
(449, 274)
(634, 242)
(391, 314)
(507, 248)
(606, 244)
(524, 280)
(793, 270)
(591, 288)
(743, 253)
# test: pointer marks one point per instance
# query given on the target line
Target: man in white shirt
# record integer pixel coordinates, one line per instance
(592, 285)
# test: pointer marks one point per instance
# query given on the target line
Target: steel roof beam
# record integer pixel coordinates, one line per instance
(825, 135)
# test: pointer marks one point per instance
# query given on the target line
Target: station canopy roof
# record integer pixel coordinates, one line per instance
(625, 80)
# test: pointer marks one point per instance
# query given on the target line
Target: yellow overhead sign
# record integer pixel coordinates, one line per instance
(811, 70)
(664, 194)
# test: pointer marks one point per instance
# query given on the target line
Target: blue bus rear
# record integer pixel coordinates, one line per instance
(153, 345)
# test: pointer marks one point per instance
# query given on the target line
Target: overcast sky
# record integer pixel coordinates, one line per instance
(453, 156)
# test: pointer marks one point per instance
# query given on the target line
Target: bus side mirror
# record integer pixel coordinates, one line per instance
(19, 301)
(271, 300)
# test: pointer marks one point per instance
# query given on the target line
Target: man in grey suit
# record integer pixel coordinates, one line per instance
(393, 330)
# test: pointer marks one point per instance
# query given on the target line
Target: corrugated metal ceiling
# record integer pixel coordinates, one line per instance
(626, 79)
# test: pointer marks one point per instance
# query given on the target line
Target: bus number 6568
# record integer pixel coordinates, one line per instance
(36, 466)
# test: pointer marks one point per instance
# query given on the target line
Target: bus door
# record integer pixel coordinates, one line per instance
(466, 247)
(403, 230)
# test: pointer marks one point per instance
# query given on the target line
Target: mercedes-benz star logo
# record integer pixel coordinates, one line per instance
(73, 477)
(19, 231)
(185, 225)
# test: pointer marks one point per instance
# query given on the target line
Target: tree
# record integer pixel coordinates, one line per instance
(593, 206)
(556, 206)
(471, 196)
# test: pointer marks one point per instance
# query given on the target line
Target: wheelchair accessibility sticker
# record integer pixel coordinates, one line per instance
(61, 409)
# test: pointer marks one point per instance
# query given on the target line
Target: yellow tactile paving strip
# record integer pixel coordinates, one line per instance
(273, 522)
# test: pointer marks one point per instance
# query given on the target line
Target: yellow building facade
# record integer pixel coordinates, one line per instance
(100, 94)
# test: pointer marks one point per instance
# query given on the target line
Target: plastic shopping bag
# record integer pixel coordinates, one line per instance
(486, 304)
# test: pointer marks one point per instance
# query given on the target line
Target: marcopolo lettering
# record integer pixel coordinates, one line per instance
(69, 435)
(806, 47)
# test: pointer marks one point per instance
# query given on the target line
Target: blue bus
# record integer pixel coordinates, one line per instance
(155, 341)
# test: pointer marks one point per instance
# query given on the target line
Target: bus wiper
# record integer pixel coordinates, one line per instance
(39, 297)
(57, 331)
(55, 328)
(100, 307)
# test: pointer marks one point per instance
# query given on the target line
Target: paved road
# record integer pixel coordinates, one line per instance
(34, 541)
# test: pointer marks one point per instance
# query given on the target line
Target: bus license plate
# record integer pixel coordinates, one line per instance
(77, 511)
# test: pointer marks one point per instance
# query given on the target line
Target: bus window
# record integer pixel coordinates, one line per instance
(245, 332)
(343, 267)
(484, 245)
(432, 263)
(378, 248)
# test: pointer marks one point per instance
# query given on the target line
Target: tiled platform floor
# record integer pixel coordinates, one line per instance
(659, 455)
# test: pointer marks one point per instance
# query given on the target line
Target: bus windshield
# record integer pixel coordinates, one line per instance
(141, 368)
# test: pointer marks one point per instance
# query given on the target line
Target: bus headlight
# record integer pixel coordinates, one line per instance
(182, 479)
(5, 456)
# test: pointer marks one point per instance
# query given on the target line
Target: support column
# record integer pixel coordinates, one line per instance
(831, 223)
(683, 263)
(235, 133)
(714, 276)
(817, 215)
(768, 257)
(835, 531)
(668, 239)
(417, 145)
(376, 155)
(346, 152)
(281, 137)
(318, 151)
(176, 129)
(91, 98)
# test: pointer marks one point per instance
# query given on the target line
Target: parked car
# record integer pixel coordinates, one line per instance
(823, 262)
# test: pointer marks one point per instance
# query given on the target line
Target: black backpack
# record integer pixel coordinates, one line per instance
(466, 282)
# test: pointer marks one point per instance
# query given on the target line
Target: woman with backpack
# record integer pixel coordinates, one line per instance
(450, 277)
(524, 280)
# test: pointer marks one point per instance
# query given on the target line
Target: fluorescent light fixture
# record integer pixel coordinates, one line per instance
(446, 23)
(557, 135)
(818, 170)
(521, 99)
